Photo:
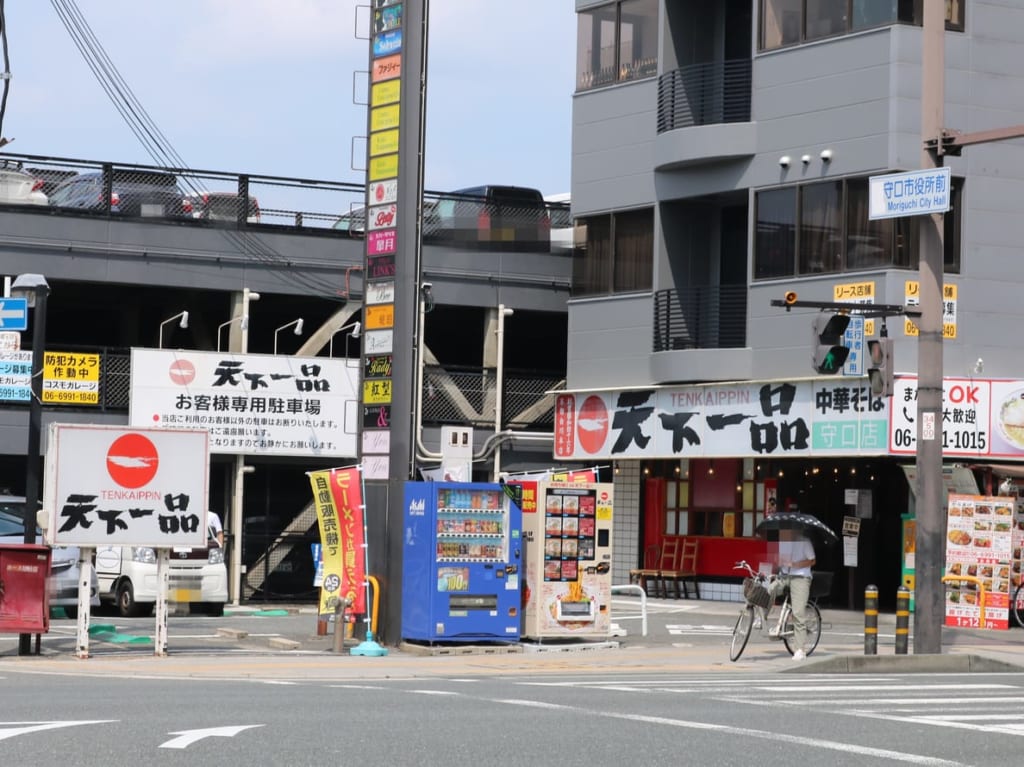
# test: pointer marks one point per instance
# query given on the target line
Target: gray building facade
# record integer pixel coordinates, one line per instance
(745, 131)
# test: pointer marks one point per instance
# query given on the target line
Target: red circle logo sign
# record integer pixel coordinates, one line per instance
(182, 372)
(592, 424)
(132, 461)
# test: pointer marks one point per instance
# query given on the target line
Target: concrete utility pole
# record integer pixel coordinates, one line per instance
(937, 142)
(930, 558)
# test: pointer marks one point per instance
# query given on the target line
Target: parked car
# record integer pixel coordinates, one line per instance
(352, 223)
(500, 217)
(19, 187)
(562, 231)
(220, 206)
(132, 193)
(51, 178)
(64, 570)
(196, 575)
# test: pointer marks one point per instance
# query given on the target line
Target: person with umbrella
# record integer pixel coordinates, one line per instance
(795, 559)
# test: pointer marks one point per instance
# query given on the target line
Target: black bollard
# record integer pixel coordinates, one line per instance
(871, 620)
(902, 620)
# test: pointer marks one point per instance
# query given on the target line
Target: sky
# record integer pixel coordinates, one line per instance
(267, 87)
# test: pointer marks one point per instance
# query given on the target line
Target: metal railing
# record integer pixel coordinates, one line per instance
(206, 198)
(466, 396)
(704, 94)
(700, 317)
(450, 395)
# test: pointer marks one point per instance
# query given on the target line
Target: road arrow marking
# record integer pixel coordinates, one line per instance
(187, 737)
(12, 729)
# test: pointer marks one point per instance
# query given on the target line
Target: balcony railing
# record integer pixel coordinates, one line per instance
(704, 94)
(702, 317)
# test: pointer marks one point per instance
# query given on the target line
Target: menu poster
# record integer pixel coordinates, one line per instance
(980, 557)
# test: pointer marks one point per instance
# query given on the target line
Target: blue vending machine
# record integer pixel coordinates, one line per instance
(461, 568)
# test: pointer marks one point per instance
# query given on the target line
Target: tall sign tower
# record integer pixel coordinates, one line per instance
(392, 268)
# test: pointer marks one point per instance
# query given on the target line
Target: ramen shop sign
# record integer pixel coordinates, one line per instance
(122, 486)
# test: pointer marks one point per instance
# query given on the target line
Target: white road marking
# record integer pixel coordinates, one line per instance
(435, 692)
(681, 629)
(879, 687)
(187, 737)
(11, 729)
(356, 687)
(924, 698)
(534, 704)
(846, 748)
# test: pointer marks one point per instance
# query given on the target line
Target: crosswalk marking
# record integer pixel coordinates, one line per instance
(987, 707)
(685, 629)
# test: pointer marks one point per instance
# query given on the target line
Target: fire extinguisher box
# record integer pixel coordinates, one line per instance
(24, 596)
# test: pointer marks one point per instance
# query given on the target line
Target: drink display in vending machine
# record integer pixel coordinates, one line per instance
(461, 563)
(568, 582)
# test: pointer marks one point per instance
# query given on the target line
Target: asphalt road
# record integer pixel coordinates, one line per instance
(570, 720)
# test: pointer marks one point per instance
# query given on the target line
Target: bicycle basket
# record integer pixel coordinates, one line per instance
(756, 594)
(821, 584)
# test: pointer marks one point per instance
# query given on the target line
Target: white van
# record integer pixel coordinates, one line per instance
(127, 578)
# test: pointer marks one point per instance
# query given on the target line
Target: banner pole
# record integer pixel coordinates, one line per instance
(369, 646)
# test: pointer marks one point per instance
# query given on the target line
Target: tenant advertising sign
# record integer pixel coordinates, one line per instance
(251, 404)
(114, 485)
(769, 418)
(981, 418)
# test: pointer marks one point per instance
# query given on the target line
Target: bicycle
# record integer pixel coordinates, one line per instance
(758, 589)
(1017, 605)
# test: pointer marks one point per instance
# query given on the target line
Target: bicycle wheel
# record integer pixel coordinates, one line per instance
(741, 632)
(812, 617)
(1017, 607)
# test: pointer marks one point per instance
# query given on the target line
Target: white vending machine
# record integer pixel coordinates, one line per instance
(567, 534)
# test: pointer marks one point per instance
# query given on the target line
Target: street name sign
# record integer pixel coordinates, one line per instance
(915, 193)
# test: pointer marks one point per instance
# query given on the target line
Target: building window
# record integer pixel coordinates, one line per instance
(614, 253)
(789, 22)
(710, 498)
(775, 238)
(824, 228)
(616, 42)
(821, 228)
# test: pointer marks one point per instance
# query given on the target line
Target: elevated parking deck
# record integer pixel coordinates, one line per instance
(275, 235)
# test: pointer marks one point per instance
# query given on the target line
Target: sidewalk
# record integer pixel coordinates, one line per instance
(301, 654)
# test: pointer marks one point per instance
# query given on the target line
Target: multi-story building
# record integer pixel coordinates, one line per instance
(721, 157)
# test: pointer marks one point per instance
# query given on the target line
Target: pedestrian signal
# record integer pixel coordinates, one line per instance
(829, 350)
(880, 366)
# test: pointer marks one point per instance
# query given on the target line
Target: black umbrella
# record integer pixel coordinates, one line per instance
(812, 527)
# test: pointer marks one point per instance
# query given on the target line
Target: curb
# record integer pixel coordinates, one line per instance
(232, 633)
(904, 664)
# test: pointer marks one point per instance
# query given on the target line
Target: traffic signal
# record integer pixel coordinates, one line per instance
(880, 366)
(829, 352)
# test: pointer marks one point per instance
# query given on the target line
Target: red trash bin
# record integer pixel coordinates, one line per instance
(24, 596)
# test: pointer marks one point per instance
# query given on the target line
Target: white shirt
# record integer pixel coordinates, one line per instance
(796, 551)
(213, 525)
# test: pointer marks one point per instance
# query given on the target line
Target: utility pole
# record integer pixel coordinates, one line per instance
(929, 561)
